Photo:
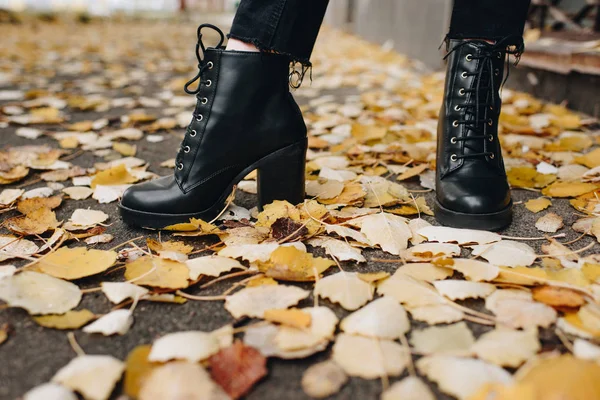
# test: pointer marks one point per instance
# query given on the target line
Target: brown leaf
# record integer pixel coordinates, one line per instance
(36, 223)
(28, 206)
(237, 368)
(286, 228)
(558, 297)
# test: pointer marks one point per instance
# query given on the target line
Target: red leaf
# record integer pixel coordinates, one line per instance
(237, 368)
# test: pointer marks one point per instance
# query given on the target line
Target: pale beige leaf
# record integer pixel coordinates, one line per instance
(254, 301)
(409, 388)
(321, 329)
(49, 391)
(11, 247)
(369, 358)
(507, 347)
(388, 231)
(115, 322)
(78, 192)
(475, 270)
(586, 350)
(323, 379)
(430, 251)
(460, 290)
(345, 288)
(83, 219)
(211, 266)
(383, 318)
(436, 314)
(521, 313)
(39, 293)
(262, 338)
(506, 253)
(445, 234)
(94, 376)
(344, 231)
(9, 196)
(339, 249)
(455, 339)
(117, 292)
(193, 346)
(424, 271)
(409, 291)
(461, 377)
(550, 222)
(178, 381)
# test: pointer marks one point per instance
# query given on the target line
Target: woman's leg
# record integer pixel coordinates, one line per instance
(282, 26)
(471, 185)
(245, 118)
(488, 19)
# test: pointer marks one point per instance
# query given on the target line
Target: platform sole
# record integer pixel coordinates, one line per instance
(280, 177)
(487, 222)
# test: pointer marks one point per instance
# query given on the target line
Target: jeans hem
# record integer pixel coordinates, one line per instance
(262, 47)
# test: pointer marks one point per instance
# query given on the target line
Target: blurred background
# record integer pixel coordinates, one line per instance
(562, 62)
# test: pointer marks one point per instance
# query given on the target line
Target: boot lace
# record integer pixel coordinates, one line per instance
(487, 98)
(202, 68)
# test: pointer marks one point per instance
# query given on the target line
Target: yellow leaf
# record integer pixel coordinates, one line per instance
(113, 176)
(81, 126)
(571, 276)
(528, 177)
(562, 377)
(69, 320)
(364, 133)
(522, 275)
(591, 271)
(590, 160)
(353, 194)
(137, 369)
(568, 189)
(28, 206)
(290, 264)
(570, 121)
(3, 333)
(412, 172)
(78, 262)
(497, 391)
(261, 280)
(125, 149)
(202, 228)
(170, 245)
(277, 209)
(158, 272)
(558, 296)
(36, 223)
(371, 277)
(70, 142)
(575, 320)
(537, 205)
(290, 317)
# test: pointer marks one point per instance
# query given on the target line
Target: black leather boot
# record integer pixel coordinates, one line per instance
(471, 185)
(245, 119)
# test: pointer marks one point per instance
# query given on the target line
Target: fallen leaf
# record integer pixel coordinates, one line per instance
(460, 290)
(369, 358)
(262, 337)
(345, 288)
(455, 339)
(339, 249)
(388, 231)
(430, 251)
(35, 223)
(27, 206)
(436, 314)
(444, 234)
(12, 246)
(409, 388)
(410, 292)
(507, 347)
(137, 369)
(49, 391)
(507, 253)
(383, 318)
(568, 189)
(115, 322)
(69, 320)
(254, 301)
(157, 272)
(323, 379)
(461, 377)
(180, 380)
(550, 222)
(290, 264)
(85, 219)
(78, 192)
(77, 262)
(537, 205)
(94, 376)
(118, 175)
(585, 350)
(237, 369)
(211, 266)
(558, 296)
(290, 317)
(320, 331)
(475, 270)
(192, 346)
(39, 293)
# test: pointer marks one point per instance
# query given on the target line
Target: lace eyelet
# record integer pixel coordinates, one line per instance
(464, 75)
(210, 65)
(469, 57)
(491, 138)
(455, 124)
(193, 133)
(204, 100)
(499, 55)
(186, 149)
(208, 83)
(453, 158)
(461, 91)
(453, 140)
(180, 166)
(492, 156)
(199, 117)
(490, 122)
(496, 72)
(457, 108)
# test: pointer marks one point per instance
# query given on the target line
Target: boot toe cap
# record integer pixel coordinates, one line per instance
(474, 196)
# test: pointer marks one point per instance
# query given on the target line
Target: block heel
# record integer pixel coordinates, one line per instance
(281, 175)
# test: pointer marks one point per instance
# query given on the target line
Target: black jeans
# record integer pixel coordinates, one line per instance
(291, 26)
